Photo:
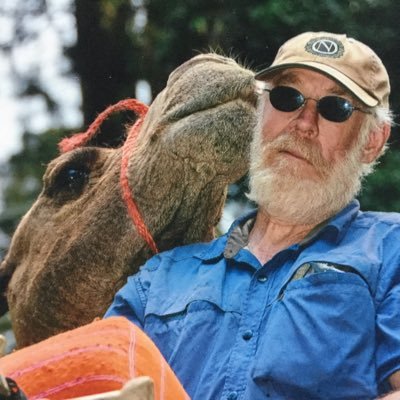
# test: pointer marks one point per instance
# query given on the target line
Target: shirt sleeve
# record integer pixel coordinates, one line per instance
(130, 301)
(388, 322)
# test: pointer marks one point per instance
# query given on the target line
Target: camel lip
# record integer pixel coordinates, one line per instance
(183, 112)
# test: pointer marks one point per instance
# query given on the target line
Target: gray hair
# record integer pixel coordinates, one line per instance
(376, 119)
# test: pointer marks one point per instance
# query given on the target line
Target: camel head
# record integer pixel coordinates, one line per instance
(78, 243)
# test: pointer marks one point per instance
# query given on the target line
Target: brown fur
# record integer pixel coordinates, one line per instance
(75, 247)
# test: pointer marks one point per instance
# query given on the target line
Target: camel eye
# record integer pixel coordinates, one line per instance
(68, 177)
(69, 182)
(72, 178)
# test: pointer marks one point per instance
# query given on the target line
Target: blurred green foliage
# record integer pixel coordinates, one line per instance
(23, 174)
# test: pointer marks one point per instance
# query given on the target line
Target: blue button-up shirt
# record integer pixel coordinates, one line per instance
(320, 320)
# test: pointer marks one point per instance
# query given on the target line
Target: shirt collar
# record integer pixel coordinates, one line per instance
(336, 227)
(236, 238)
(218, 246)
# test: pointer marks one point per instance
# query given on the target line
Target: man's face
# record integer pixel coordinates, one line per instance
(306, 143)
(305, 168)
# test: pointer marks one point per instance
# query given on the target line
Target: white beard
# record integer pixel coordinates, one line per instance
(278, 187)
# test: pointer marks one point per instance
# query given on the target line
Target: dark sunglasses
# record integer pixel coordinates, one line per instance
(332, 108)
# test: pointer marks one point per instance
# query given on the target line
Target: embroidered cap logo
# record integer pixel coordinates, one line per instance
(325, 47)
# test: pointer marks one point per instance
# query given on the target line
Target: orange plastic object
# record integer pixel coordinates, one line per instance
(95, 358)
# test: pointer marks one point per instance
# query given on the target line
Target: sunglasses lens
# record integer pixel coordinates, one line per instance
(285, 98)
(332, 108)
(335, 109)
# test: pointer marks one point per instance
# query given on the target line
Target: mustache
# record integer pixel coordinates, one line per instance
(305, 148)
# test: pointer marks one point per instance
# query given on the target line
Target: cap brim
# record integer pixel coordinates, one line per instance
(342, 79)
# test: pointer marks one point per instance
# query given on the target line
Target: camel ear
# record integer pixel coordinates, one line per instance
(377, 139)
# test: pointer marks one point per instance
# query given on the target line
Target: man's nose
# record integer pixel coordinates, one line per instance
(307, 119)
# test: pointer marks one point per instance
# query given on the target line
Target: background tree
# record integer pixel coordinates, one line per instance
(105, 56)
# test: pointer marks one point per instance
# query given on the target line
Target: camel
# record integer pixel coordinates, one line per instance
(77, 244)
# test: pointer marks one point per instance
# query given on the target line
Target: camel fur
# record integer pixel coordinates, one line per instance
(76, 246)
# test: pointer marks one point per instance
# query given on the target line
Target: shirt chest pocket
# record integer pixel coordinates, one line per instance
(185, 323)
(319, 335)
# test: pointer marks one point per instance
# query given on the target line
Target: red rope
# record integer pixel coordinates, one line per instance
(80, 139)
(133, 210)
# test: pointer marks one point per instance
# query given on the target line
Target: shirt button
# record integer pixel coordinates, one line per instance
(232, 396)
(247, 335)
(262, 278)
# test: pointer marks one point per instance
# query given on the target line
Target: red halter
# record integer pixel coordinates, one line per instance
(80, 139)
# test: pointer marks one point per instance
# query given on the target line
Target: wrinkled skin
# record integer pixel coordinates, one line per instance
(76, 246)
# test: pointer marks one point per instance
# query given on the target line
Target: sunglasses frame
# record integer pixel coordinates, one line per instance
(352, 107)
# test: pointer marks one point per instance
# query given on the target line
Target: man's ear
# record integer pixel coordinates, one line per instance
(377, 139)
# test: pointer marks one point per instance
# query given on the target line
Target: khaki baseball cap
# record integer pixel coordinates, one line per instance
(346, 60)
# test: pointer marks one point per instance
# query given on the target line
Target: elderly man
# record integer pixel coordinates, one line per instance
(300, 299)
